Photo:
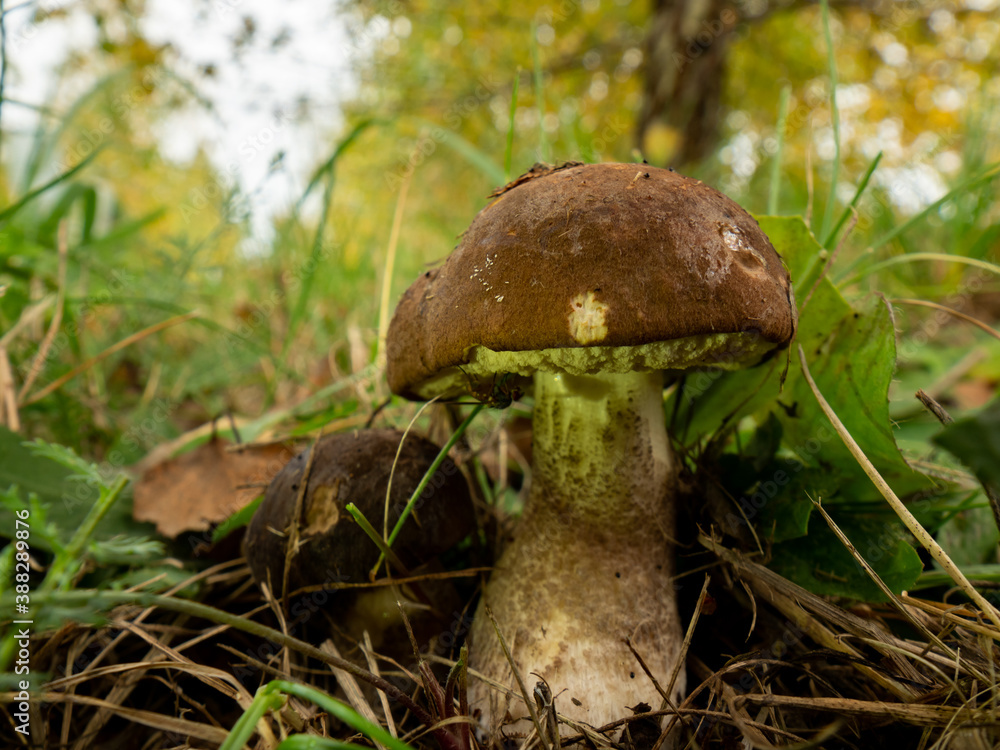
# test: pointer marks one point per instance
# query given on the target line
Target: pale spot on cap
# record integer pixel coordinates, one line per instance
(587, 319)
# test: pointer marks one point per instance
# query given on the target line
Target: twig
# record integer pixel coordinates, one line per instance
(914, 714)
(27, 318)
(934, 407)
(829, 261)
(155, 719)
(808, 612)
(926, 540)
(681, 658)
(951, 614)
(352, 690)
(369, 651)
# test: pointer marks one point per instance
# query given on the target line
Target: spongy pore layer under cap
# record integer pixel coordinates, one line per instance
(576, 266)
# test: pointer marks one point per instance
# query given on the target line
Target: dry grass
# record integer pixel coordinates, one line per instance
(770, 665)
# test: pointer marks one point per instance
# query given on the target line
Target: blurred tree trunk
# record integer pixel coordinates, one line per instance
(685, 66)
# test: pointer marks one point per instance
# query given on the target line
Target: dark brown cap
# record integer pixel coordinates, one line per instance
(598, 257)
(355, 468)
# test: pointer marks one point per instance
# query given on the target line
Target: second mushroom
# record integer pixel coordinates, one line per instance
(592, 281)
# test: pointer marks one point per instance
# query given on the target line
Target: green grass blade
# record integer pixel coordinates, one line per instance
(862, 186)
(775, 185)
(544, 149)
(935, 578)
(12, 209)
(331, 163)
(963, 187)
(266, 699)
(237, 520)
(509, 154)
(75, 193)
(377, 540)
(343, 712)
(428, 475)
(474, 155)
(327, 171)
(834, 118)
(124, 230)
(911, 257)
(44, 141)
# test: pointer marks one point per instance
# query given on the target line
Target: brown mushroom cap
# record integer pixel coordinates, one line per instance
(354, 468)
(602, 256)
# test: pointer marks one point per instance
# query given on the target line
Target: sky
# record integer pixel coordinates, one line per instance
(300, 52)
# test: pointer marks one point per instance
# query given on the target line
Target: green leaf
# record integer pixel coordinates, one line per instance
(768, 490)
(786, 515)
(851, 352)
(971, 536)
(53, 474)
(852, 356)
(975, 441)
(821, 563)
(850, 348)
(81, 469)
(476, 156)
(237, 520)
(30, 472)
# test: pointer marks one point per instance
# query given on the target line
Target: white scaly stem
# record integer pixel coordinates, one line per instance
(592, 558)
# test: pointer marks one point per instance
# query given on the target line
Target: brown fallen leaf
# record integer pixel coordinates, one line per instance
(202, 487)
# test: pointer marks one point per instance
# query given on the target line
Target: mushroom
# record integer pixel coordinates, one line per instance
(592, 280)
(332, 548)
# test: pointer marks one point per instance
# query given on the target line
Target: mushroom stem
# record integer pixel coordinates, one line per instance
(591, 561)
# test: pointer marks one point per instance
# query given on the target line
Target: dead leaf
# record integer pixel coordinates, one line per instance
(201, 487)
